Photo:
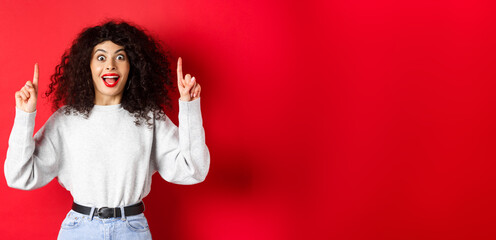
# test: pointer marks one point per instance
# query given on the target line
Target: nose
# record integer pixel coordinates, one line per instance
(110, 65)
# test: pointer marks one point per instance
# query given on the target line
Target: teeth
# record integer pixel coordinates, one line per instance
(111, 77)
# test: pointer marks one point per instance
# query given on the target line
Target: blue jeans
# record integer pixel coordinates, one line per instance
(80, 226)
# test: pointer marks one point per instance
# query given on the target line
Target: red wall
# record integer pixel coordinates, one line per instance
(336, 120)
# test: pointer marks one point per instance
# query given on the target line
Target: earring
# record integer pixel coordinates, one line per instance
(128, 84)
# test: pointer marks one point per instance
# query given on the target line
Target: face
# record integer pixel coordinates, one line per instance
(109, 69)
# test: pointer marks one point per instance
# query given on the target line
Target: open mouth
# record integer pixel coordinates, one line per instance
(110, 80)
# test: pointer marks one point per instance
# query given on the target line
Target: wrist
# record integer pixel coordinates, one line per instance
(185, 99)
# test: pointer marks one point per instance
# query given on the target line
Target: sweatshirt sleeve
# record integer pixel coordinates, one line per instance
(31, 161)
(180, 155)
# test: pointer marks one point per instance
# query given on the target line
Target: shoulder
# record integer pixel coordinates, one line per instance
(59, 114)
(156, 116)
(60, 117)
(160, 120)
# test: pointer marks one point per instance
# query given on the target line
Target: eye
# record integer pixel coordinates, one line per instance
(120, 57)
(100, 58)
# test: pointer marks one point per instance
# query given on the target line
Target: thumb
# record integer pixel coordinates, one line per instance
(18, 99)
(191, 82)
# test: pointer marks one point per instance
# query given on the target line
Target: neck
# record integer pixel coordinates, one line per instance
(107, 100)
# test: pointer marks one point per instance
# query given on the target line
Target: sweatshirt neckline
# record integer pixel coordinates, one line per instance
(107, 108)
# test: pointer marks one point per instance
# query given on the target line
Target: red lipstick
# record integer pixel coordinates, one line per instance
(110, 79)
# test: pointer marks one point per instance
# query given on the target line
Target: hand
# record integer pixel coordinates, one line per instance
(26, 97)
(188, 87)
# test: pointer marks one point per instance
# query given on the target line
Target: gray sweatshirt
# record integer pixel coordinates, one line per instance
(106, 160)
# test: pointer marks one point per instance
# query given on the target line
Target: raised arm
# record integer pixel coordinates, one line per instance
(180, 153)
(31, 161)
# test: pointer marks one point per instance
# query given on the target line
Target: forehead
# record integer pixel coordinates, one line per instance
(108, 46)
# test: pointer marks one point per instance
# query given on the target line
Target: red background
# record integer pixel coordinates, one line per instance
(336, 120)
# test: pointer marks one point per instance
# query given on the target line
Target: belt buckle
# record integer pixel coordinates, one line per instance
(106, 212)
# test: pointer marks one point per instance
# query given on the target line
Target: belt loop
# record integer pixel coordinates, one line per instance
(92, 213)
(123, 215)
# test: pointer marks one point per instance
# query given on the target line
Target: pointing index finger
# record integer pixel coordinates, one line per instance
(35, 76)
(179, 69)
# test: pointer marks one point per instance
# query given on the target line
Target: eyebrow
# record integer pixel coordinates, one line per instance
(122, 49)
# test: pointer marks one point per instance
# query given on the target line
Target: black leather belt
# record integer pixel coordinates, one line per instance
(106, 212)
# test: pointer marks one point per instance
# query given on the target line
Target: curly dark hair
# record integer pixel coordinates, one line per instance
(149, 80)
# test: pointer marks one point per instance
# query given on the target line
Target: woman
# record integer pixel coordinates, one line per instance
(109, 134)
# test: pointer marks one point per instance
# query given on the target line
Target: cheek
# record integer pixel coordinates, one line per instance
(125, 69)
(95, 70)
